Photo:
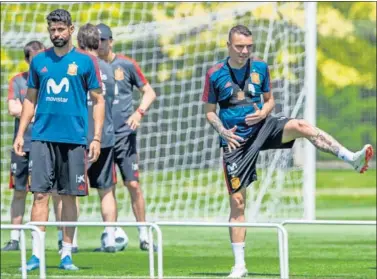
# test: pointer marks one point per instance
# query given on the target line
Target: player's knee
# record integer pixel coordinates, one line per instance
(132, 185)
(237, 204)
(304, 128)
(41, 197)
(68, 199)
(303, 124)
(19, 195)
(105, 192)
(300, 126)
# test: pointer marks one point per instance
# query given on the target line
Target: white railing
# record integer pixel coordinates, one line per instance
(42, 262)
(328, 222)
(123, 224)
(282, 237)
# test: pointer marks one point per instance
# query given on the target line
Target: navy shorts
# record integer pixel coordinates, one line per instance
(60, 163)
(126, 157)
(20, 171)
(102, 173)
(240, 164)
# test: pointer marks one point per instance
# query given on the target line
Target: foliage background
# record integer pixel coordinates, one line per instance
(346, 67)
(346, 89)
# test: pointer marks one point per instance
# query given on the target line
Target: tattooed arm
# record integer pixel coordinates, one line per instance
(229, 135)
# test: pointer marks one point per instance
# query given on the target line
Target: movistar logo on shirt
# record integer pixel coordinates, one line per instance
(57, 89)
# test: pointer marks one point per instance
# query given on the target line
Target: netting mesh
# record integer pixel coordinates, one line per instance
(175, 44)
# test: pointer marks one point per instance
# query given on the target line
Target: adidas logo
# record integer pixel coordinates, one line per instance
(44, 70)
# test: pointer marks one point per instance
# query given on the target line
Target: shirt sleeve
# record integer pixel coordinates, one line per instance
(209, 95)
(93, 77)
(266, 85)
(137, 76)
(33, 78)
(13, 90)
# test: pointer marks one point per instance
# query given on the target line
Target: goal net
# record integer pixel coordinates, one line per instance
(175, 44)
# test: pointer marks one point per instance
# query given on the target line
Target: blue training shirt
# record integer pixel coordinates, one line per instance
(235, 102)
(127, 75)
(63, 83)
(108, 91)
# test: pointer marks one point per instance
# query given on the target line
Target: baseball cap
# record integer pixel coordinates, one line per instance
(104, 31)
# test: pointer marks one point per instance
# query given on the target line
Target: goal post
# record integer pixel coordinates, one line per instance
(175, 44)
(310, 108)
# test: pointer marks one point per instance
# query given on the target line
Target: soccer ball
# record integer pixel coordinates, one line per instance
(121, 239)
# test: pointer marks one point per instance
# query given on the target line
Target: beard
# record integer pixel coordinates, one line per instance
(59, 42)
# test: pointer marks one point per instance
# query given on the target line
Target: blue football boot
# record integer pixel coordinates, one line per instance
(32, 264)
(67, 264)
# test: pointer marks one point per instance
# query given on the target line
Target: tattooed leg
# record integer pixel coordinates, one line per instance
(324, 142)
(296, 128)
(358, 160)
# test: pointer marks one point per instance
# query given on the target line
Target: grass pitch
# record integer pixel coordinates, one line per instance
(315, 251)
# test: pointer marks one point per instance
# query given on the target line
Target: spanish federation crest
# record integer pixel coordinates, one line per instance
(72, 69)
(255, 78)
(119, 74)
(236, 183)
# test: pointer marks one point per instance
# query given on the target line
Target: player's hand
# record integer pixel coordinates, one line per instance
(18, 102)
(256, 117)
(232, 139)
(18, 146)
(134, 120)
(94, 151)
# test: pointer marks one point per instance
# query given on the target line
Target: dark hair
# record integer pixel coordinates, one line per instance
(32, 46)
(88, 37)
(240, 29)
(59, 15)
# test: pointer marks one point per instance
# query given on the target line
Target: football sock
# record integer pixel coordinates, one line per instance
(345, 155)
(60, 235)
(36, 243)
(239, 253)
(15, 235)
(143, 234)
(66, 250)
(110, 240)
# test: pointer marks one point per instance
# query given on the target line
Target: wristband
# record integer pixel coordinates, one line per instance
(141, 111)
(96, 140)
